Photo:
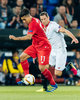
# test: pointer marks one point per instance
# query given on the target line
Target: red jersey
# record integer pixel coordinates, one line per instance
(39, 37)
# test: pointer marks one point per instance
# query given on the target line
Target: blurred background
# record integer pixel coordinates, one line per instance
(10, 69)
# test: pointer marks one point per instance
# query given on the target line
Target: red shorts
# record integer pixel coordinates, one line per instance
(42, 53)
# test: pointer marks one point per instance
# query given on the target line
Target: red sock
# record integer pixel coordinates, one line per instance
(25, 66)
(48, 75)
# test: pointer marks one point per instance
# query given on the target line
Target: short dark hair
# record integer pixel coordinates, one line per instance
(15, 51)
(34, 6)
(44, 13)
(24, 12)
(62, 5)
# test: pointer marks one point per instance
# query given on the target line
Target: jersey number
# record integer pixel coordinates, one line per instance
(42, 59)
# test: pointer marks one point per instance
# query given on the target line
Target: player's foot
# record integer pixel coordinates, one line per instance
(20, 82)
(51, 88)
(41, 90)
(71, 65)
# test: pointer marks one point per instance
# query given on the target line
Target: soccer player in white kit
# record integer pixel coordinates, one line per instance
(55, 34)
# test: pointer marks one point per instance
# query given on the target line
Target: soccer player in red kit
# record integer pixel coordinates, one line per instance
(40, 46)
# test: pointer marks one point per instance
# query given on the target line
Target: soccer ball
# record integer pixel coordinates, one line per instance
(29, 79)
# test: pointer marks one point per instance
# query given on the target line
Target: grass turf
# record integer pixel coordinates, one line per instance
(29, 93)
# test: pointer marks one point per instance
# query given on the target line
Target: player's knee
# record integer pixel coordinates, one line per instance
(21, 58)
(41, 68)
(58, 73)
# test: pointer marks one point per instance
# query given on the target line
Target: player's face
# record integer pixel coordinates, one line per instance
(25, 19)
(44, 19)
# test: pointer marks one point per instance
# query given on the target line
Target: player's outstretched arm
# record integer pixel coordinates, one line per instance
(74, 39)
(27, 37)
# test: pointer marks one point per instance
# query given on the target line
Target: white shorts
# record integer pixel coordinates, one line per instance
(58, 58)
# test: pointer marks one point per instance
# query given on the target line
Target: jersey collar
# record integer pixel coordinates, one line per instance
(31, 21)
(47, 24)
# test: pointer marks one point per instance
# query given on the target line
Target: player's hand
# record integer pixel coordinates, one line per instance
(12, 37)
(75, 41)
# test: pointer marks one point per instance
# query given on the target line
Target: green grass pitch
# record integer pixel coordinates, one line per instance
(29, 93)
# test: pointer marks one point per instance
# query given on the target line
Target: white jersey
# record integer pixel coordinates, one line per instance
(55, 37)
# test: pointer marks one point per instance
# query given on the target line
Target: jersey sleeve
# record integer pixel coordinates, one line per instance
(31, 29)
(56, 27)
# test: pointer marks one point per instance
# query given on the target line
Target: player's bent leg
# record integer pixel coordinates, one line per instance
(24, 56)
(43, 67)
(45, 82)
(24, 62)
(25, 65)
(48, 76)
